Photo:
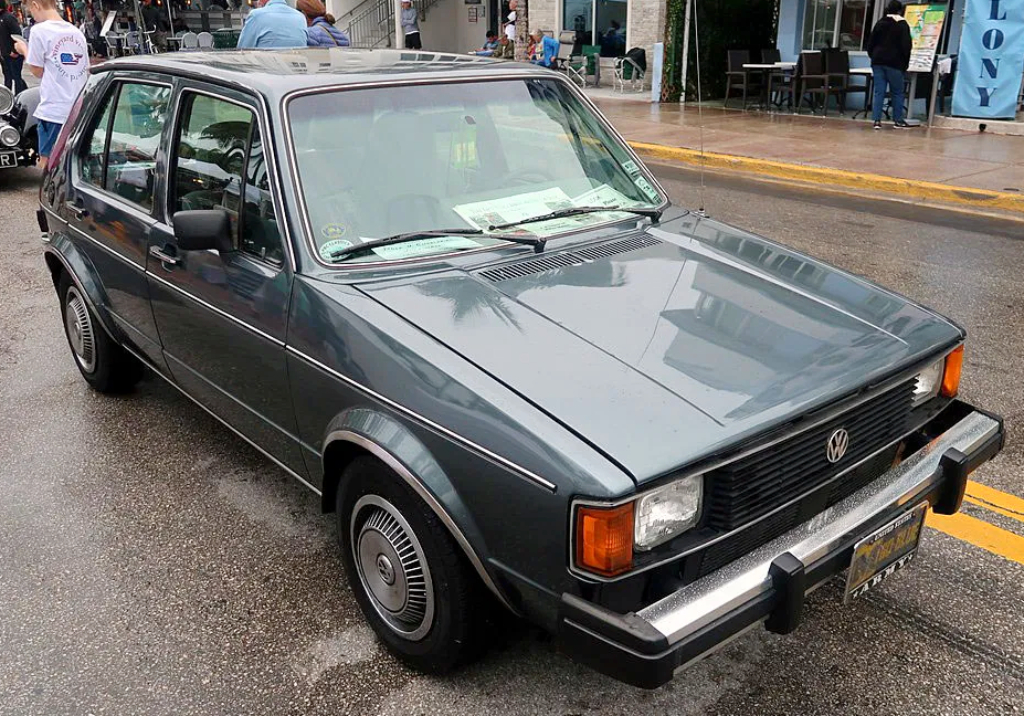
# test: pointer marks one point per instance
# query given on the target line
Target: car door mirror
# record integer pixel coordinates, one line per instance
(203, 229)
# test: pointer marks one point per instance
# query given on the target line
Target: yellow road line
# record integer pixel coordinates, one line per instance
(979, 533)
(861, 181)
(995, 500)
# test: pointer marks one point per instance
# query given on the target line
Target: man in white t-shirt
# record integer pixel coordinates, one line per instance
(510, 26)
(58, 53)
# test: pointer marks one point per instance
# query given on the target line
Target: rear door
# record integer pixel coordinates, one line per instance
(116, 176)
(222, 316)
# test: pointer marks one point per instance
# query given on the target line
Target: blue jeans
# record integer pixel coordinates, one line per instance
(894, 79)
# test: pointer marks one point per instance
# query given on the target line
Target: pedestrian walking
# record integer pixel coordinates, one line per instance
(411, 26)
(889, 48)
(12, 61)
(321, 31)
(274, 24)
(58, 54)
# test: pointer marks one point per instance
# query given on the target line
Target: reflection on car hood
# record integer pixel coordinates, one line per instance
(692, 337)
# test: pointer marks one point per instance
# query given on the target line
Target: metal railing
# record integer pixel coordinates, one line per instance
(375, 25)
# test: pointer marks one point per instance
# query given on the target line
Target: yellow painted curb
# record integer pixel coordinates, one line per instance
(929, 191)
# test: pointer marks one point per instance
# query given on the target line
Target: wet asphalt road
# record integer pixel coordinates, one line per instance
(151, 563)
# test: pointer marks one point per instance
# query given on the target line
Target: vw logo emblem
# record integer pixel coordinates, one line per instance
(837, 444)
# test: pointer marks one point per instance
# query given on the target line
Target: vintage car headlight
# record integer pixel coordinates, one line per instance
(9, 136)
(6, 100)
(941, 377)
(929, 381)
(667, 512)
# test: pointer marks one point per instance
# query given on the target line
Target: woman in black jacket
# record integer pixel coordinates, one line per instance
(889, 49)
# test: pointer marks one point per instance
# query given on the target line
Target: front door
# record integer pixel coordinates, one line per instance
(222, 315)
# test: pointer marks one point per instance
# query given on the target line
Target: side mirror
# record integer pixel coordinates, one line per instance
(203, 229)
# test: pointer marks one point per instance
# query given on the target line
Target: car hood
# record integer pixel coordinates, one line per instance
(667, 346)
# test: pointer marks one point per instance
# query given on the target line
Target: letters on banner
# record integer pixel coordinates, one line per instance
(991, 60)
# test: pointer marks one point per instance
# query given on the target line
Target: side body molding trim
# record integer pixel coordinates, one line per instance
(427, 496)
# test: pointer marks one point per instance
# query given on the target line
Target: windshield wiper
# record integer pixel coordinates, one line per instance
(654, 214)
(529, 239)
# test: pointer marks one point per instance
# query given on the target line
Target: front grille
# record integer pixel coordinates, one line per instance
(792, 515)
(753, 486)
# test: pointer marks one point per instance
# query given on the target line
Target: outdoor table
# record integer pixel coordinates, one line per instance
(765, 70)
(173, 42)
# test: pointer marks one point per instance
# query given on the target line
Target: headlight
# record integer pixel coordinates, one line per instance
(942, 376)
(9, 136)
(6, 100)
(929, 381)
(667, 512)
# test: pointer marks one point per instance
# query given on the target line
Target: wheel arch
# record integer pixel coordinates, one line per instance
(62, 258)
(361, 431)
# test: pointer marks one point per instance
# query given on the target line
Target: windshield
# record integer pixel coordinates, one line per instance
(378, 162)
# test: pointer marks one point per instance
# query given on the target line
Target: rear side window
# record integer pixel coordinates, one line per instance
(119, 154)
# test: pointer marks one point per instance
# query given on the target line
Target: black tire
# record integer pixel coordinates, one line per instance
(106, 366)
(453, 631)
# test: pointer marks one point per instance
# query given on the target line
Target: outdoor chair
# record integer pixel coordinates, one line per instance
(837, 67)
(113, 44)
(771, 55)
(630, 70)
(575, 68)
(737, 78)
(190, 41)
(786, 84)
(131, 43)
(813, 81)
(205, 41)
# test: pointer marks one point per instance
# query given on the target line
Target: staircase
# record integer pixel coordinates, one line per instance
(372, 22)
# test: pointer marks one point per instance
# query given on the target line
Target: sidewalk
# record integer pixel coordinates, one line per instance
(978, 169)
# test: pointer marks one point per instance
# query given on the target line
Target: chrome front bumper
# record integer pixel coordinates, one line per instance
(768, 585)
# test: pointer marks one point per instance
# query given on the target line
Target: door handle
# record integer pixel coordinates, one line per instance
(79, 212)
(165, 258)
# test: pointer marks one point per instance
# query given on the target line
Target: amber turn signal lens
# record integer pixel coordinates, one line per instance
(951, 374)
(604, 539)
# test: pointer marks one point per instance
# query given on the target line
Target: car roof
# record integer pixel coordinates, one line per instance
(277, 72)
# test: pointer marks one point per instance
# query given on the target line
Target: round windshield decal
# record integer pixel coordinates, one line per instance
(330, 247)
(333, 231)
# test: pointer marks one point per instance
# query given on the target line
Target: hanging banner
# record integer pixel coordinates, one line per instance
(991, 60)
(925, 32)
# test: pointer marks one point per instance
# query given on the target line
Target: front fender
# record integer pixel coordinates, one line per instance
(363, 429)
(62, 255)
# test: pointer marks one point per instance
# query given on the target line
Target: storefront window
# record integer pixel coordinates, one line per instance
(845, 24)
(608, 30)
(611, 23)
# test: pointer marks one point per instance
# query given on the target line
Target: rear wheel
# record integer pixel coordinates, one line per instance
(409, 577)
(106, 366)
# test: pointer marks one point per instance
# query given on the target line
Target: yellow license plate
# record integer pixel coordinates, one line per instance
(884, 552)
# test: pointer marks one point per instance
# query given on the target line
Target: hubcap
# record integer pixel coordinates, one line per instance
(80, 332)
(392, 567)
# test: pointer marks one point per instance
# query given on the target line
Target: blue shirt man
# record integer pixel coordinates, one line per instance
(276, 24)
(547, 48)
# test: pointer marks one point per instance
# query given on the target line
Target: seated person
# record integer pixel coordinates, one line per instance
(545, 49)
(490, 44)
(506, 49)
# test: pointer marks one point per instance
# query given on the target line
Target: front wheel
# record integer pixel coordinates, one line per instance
(106, 366)
(409, 577)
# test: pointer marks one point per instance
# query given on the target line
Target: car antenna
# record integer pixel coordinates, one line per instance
(700, 112)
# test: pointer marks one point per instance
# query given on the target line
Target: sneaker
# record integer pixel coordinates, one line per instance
(878, 125)
(900, 124)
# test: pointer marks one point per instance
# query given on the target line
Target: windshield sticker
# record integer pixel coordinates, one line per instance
(603, 195)
(330, 247)
(646, 188)
(483, 214)
(333, 231)
(437, 245)
(631, 167)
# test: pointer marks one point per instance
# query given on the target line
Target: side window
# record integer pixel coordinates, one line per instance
(139, 117)
(260, 234)
(213, 136)
(94, 149)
